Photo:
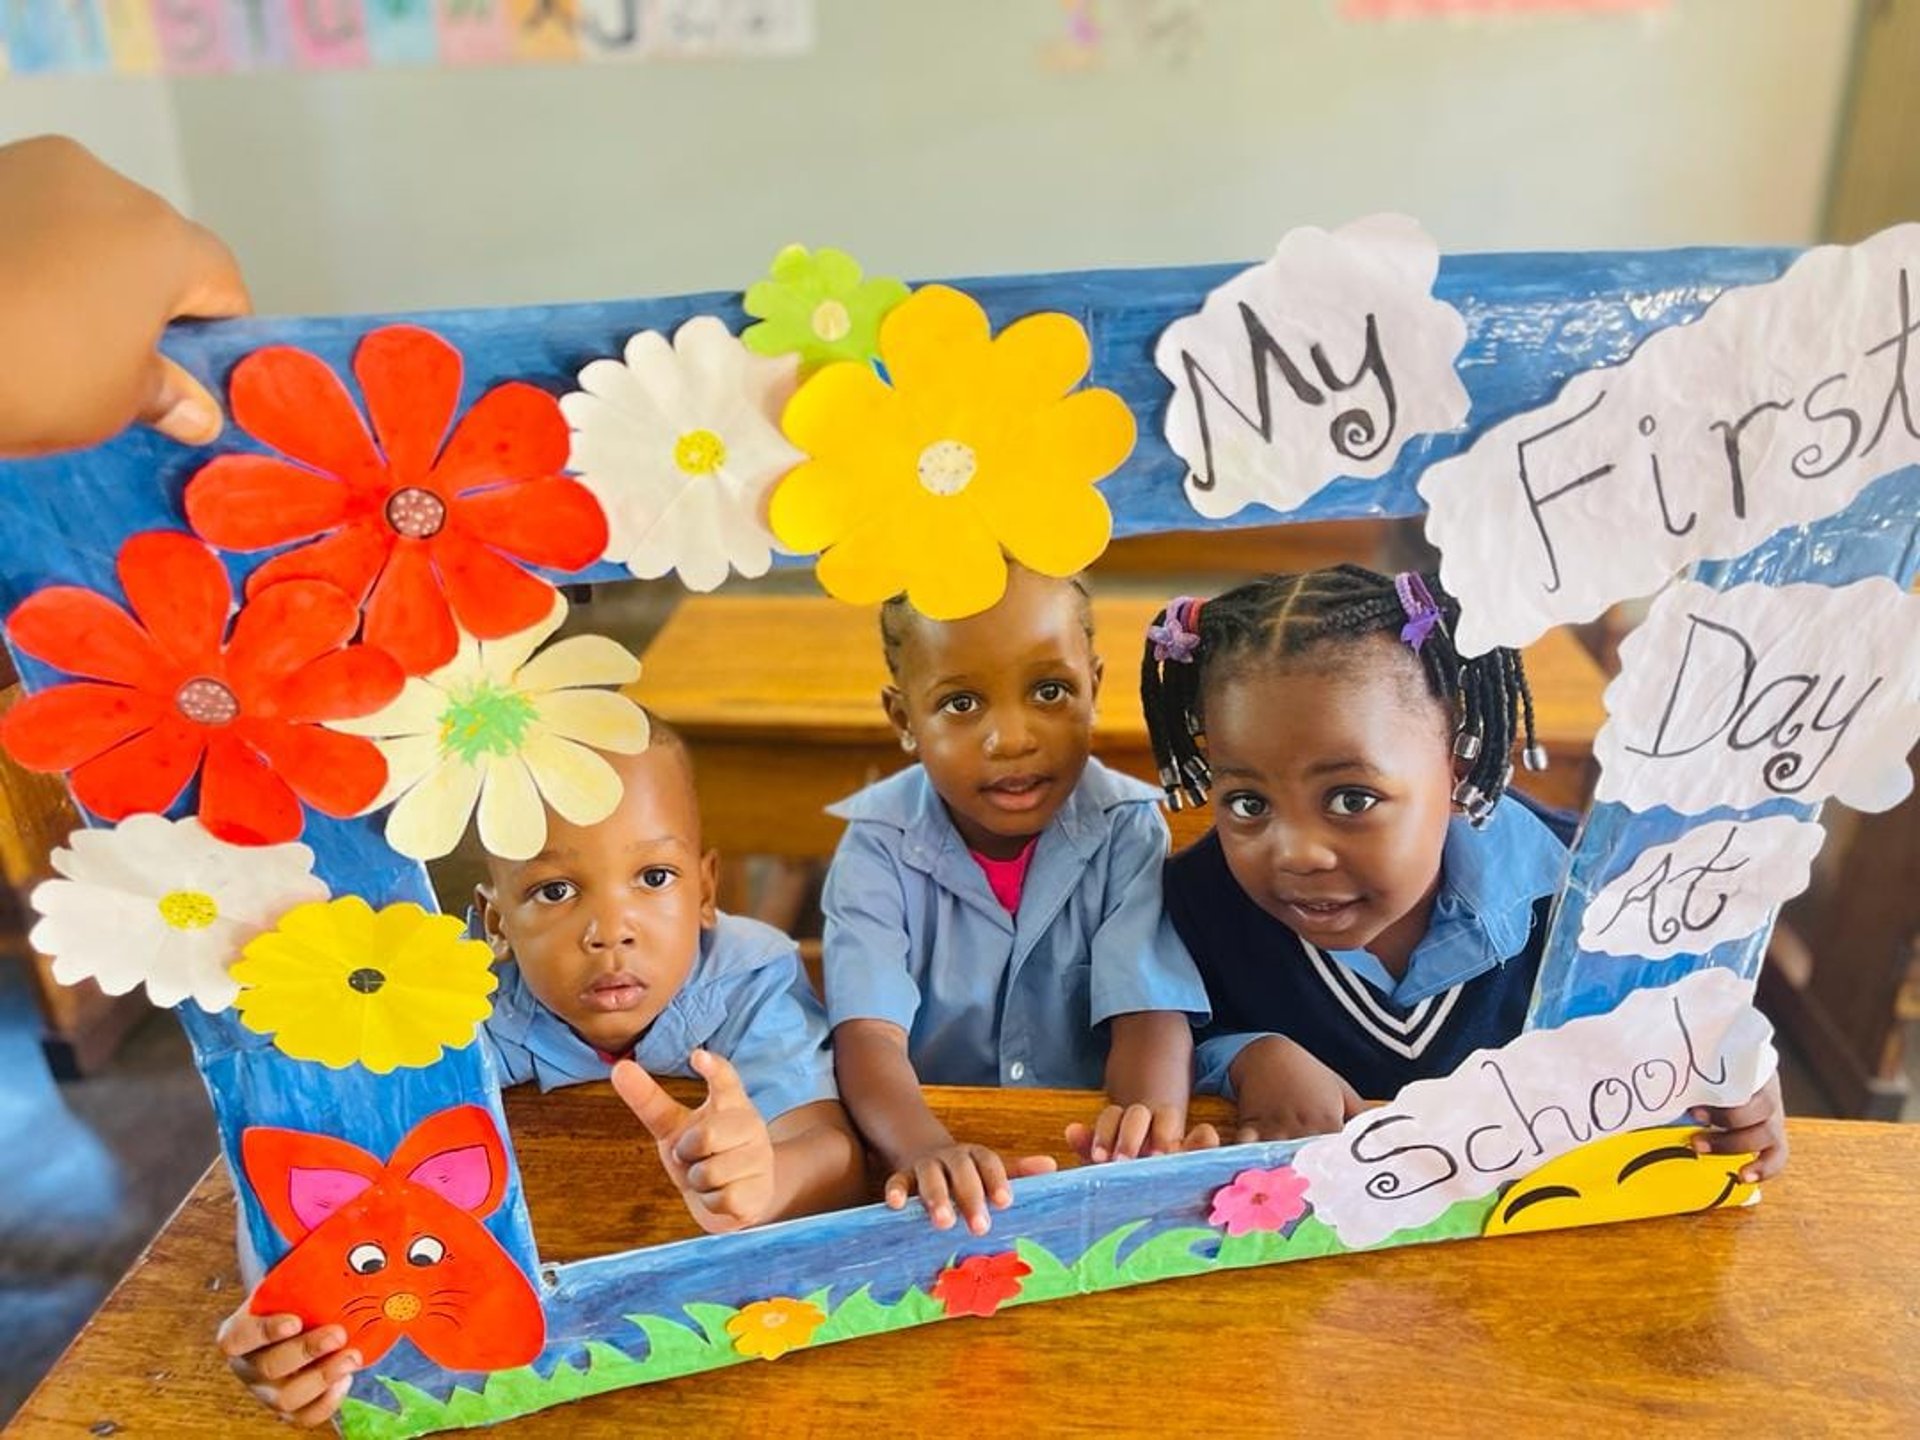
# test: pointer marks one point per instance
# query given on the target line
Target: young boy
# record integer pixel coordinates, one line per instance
(614, 963)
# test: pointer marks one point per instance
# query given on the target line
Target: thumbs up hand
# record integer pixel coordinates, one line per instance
(719, 1154)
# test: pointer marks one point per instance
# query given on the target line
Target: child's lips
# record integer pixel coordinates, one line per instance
(1322, 916)
(614, 993)
(1017, 792)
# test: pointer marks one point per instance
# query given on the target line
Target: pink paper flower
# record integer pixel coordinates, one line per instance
(1260, 1200)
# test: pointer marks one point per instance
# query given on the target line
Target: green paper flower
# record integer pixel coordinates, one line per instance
(815, 304)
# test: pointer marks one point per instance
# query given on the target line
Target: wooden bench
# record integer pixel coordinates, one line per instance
(778, 698)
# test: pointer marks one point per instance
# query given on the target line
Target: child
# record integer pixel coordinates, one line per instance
(990, 909)
(614, 962)
(1362, 917)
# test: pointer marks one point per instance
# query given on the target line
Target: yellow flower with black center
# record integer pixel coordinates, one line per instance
(345, 984)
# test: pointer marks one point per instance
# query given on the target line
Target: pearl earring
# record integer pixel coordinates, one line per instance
(908, 743)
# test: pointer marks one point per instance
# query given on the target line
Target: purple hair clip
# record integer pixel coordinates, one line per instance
(1179, 639)
(1423, 613)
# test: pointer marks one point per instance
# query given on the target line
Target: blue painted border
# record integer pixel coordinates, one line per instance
(1533, 322)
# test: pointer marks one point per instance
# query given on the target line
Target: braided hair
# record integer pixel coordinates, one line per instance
(1284, 616)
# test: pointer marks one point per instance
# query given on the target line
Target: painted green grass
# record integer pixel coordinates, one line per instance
(676, 1348)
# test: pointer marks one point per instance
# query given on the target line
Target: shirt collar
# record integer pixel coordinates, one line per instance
(1490, 881)
(909, 802)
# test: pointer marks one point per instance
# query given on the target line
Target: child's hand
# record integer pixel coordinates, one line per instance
(718, 1156)
(1759, 1125)
(1124, 1133)
(1284, 1092)
(303, 1375)
(966, 1176)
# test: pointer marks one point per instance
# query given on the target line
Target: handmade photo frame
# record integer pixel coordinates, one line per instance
(1580, 428)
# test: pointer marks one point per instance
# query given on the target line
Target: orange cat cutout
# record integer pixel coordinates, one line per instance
(397, 1249)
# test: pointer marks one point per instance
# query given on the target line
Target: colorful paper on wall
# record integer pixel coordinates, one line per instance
(203, 37)
(1735, 697)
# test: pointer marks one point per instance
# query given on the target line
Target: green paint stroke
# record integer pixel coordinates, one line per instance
(675, 1348)
(486, 720)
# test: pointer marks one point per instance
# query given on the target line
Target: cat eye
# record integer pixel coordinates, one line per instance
(426, 1251)
(366, 1259)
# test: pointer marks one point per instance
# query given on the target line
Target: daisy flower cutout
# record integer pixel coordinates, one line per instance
(680, 444)
(344, 984)
(162, 903)
(510, 732)
(976, 447)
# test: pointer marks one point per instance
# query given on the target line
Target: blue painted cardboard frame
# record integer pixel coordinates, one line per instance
(1533, 322)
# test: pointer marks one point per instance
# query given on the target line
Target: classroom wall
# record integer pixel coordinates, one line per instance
(931, 139)
(127, 121)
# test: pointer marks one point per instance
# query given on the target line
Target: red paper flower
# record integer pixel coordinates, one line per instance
(167, 688)
(980, 1284)
(420, 533)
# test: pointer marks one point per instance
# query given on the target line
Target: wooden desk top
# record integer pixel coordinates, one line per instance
(1794, 1317)
(753, 666)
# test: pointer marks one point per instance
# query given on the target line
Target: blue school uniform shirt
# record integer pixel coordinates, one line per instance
(1468, 983)
(746, 998)
(915, 936)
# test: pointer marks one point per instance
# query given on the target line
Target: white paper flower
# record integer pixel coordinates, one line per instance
(162, 902)
(680, 444)
(508, 730)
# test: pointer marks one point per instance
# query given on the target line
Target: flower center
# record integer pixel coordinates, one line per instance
(401, 1306)
(486, 720)
(699, 452)
(1260, 1197)
(774, 1319)
(188, 909)
(947, 467)
(830, 321)
(416, 514)
(366, 981)
(207, 702)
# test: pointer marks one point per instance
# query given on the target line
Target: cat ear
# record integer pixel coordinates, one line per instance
(458, 1155)
(302, 1179)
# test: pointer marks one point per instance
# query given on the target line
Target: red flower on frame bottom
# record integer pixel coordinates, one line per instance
(168, 692)
(980, 1284)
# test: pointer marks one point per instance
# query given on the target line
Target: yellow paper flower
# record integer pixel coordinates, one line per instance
(768, 1329)
(342, 984)
(979, 448)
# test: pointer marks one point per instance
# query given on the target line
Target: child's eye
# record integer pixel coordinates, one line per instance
(961, 704)
(1052, 692)
(1351, 802)
(553, 892)
(658, 877)
(1243, 806)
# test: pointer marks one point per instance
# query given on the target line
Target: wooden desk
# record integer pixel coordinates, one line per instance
(778, 697)
(1794, 1317)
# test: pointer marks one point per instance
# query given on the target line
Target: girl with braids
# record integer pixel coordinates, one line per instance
(993, 913)
(1371, 904)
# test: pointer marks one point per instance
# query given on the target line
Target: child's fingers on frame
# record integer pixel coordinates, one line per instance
(930, 1179)
(295, 1394)
(323, 1409)
(898, 1187)
(1034, 1165)
(243, 1332)
(715, 1134)
(729, 1167)
(969, 1192)
(289, 1357)
(1202, 1137)
(993, 1177)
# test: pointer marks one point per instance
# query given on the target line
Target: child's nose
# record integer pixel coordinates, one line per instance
(1301, 849)
(609, 925)
(1012, 735)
